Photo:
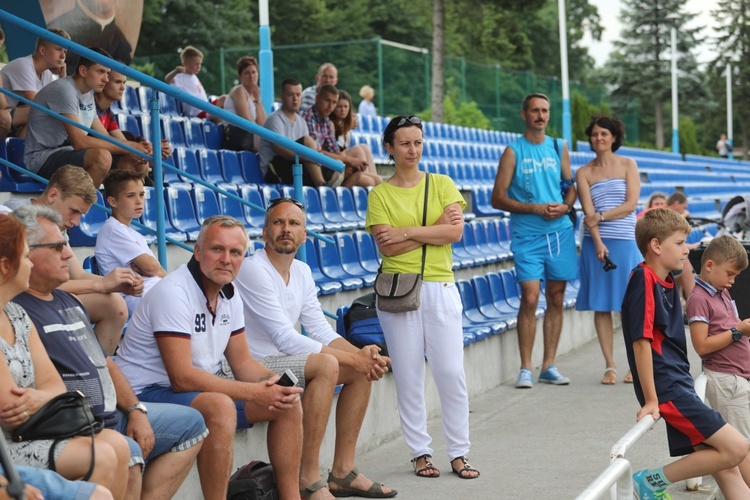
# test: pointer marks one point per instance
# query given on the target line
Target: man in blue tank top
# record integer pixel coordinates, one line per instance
(534, 183)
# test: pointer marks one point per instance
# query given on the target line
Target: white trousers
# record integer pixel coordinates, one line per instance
(434, 329)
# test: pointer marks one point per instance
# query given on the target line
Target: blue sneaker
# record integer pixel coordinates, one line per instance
(642, 490)
(525, 379)
(552, 376)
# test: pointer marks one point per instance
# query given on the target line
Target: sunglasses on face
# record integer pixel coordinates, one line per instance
(57, 247)
(285, 199)
(415, 120)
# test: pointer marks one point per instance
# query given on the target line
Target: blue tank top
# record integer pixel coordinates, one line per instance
(536, 180)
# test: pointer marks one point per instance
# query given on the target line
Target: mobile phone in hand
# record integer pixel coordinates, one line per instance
(288, 379)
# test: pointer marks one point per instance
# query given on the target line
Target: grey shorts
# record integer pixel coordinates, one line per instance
(58, 159)
(296, 363)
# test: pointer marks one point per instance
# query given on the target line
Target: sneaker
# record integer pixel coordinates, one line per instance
(642, 490)
(525, 379)
(552, 376)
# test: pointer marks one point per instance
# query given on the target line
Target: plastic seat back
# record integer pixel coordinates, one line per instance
(208, 163)
(129, 123)
(255, 218)
(211, 135)
(330, 207)
(366, 251)
(346, 205)
(12, 180)
(205, 203)
(250, 164)
(172, 131)
(360, 200)
(194, 133)
(84, 234)
(268, 193)
(181, 212)
(230, 167)
(148, 217)
(348, 255)
(186, 161)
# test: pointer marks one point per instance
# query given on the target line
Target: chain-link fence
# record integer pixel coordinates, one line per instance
(400, 76)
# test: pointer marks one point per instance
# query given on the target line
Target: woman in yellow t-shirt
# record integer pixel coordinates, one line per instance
(394, 217)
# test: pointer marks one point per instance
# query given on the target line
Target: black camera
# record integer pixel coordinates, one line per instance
(608, 264)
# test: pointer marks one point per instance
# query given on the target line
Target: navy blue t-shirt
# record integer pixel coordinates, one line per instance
(651, 309)
(65, 329)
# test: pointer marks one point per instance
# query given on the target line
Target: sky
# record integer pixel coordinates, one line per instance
(609, 11)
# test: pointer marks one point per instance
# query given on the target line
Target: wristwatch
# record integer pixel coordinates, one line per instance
(601, 216)
(736, 335)
(138, 406)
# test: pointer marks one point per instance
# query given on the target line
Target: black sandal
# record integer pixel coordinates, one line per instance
(427, 467)
(466, 468)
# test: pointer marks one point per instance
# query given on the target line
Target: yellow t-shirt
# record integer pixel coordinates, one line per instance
(402, 207)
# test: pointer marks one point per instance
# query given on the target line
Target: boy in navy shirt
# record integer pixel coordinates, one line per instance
(654, 334)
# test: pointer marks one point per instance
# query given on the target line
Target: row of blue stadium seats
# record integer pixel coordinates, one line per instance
(466, 175)
(187, 206)
(194, 133)
(490, 305)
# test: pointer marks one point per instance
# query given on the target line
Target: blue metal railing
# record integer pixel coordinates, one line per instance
(158, 165)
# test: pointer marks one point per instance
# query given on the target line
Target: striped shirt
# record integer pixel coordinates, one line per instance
(606, 195)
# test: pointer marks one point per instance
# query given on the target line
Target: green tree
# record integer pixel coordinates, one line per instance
(582, 111)
(639, 68)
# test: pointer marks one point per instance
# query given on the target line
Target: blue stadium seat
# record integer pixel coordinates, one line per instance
(208, 162)
(366, 251)
(171, 129)
(253, 246)
(473, 318)
(331, 210)
(211, 135)
(250, 164)
(168, 105)
(230, 206)
(349, 259)
(205, 203)
(230, 167)
(493, 243)
(185, 160)
(84, 234)
(461, 257)
(512, 293)
(498, 299)
(330, 265)
(482, 241)
(470, 244)
(193, 128)
(89, 265)
(148, 217)
(315, 211)
(327, 285)
(346, 204)
(268, 193)
(181, 212)
(487, 304)
(360, 200)
(129, 123)
(130, 101)
(12, 180)
(144, 124)
(144, 95)
(255, 218)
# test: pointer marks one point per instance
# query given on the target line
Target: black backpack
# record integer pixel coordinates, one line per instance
(361, 324)
(254, 481)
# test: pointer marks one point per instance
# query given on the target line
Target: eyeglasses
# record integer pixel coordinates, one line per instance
(57, 247)
(285, 199)
(411, 119)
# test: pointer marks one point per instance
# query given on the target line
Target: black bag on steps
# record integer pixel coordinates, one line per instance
(254, 481)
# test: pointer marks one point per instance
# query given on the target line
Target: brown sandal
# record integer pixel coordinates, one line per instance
(466, 468)
(428, 467)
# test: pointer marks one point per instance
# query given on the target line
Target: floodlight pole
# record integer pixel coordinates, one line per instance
(675, 113)
(730, 132)
(265, 57)
(566, 118)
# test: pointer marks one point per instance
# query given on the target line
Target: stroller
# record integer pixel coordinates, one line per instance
(735, 218)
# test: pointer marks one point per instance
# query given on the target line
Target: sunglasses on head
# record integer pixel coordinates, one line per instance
(411, 119)
(285, 199)
(57, 247)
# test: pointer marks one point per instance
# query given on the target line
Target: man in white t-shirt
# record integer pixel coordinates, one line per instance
(28, 75)
(277, 292)
(118, 244)
(172, 352)
(327, 75)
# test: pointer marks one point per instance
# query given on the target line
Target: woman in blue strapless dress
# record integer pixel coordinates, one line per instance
(608, 187)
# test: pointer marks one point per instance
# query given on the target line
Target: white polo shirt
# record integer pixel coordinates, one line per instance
(177, 307)
(272, 309)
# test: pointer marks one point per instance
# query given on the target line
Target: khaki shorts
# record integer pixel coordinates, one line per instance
(730, 396)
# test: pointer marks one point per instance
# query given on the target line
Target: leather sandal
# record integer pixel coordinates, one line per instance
(344, 487)
(427, 467)
(466, 468)
(306, 493)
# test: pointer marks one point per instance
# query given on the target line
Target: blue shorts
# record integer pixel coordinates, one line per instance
(176, 428)
(52, 485)
(689, 423)
(550, 256)
(161, 394)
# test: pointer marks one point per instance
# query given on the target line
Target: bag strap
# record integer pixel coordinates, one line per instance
(424, 217)
(93, 449)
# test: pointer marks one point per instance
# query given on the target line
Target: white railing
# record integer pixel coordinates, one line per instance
(616, 478)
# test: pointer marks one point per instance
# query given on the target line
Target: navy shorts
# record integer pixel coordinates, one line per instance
(160, 394)
(689, 423)
(58, 159)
